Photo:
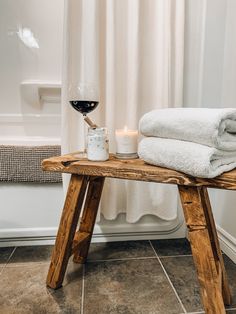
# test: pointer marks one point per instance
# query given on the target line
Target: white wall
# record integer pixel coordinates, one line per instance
(210, 76)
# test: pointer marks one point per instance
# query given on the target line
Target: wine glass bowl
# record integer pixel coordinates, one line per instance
(83, 97)
(84, 106)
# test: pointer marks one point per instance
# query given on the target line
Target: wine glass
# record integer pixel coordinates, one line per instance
(84, 97)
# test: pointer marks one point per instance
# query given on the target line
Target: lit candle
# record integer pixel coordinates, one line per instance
(126, 143)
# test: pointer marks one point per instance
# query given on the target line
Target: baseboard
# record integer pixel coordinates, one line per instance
(46, 236)
(227, 243)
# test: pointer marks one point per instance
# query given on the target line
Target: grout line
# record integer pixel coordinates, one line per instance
(181, 255)
(119, 259)
(168, 278)
(24, 264)
(82, 292)
(13, 251)
(10, 256)
(231, 309)
(195, 312)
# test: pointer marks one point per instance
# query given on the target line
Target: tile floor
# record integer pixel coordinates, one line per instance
(139, 277)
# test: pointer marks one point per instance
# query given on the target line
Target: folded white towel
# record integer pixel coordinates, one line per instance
(212, 127)
(191, 158)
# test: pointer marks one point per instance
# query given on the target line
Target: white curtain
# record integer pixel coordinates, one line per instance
(134, 50)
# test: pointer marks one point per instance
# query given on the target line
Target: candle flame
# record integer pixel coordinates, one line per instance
(126, 128)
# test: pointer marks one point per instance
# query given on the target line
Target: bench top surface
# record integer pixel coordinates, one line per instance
(134, 169)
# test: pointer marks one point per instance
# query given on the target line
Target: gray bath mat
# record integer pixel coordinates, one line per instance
(23, 163)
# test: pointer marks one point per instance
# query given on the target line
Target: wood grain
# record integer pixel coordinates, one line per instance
(216, 245)
(203, 246)
(79, 239)
(66, 231)
(134, 169)
(89, 216)
(209, 279)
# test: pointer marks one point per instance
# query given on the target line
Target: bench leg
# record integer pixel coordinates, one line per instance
(89, 217)
(216, 245)
(205, 248)
(66, 232)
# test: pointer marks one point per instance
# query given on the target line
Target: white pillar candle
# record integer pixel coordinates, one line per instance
(126, 141)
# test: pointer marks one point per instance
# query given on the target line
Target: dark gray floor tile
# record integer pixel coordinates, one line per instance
(181, 271)
(23, 290)
(231, 271)
(231, 311)
(28, 254)
(171, 247)
(117, 250)
(128, 287)
(5, 253)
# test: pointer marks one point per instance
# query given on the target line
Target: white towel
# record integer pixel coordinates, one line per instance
(191, 158)
(212, 127)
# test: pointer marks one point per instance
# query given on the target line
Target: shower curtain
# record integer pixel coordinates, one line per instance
(133, 50)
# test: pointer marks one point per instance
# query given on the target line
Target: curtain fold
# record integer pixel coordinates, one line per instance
(133, 50)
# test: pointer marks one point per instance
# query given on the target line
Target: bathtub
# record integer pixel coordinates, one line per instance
(29, 212)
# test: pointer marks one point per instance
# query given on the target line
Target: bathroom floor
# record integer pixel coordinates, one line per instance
(121, 277)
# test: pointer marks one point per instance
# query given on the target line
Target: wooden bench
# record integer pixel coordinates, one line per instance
(85, 191)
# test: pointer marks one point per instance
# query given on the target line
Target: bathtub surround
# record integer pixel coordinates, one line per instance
(215, 127)
(139, 49)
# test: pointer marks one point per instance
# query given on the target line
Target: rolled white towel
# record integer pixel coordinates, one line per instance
(212, 127)
(191, 158)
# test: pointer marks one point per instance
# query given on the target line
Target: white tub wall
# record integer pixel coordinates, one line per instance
(20, 63)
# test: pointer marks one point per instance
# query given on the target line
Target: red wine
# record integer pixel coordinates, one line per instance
(84, 106)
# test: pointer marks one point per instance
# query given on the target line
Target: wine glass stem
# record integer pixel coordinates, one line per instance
(89, 122)
(85, 138)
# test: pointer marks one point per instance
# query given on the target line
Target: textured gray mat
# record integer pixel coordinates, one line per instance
(23, 163)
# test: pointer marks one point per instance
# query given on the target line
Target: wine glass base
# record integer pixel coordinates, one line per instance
(81, 155)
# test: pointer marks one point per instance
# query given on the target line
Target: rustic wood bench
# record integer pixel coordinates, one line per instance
(85, 189)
